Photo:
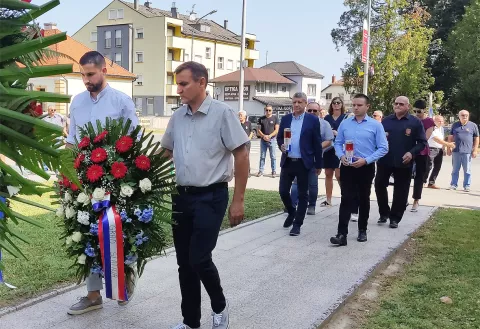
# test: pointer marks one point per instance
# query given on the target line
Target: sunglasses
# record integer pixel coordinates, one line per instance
(418, 111)
(336, 103)
(310, 111)
(375, 115)
(268, 110)
(399, 104)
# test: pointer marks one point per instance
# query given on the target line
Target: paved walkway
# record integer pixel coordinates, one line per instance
(271, 279)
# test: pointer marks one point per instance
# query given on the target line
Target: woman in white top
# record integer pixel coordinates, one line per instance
(436, 143)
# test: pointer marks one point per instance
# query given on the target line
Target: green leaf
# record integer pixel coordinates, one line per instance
(42, 9)
(8, 74)
(16, 5)
(26, 219)
(32, 203)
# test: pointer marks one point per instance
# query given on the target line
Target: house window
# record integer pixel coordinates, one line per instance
(139, 33)
(284, 89)
(93, 36)
(170, 32)
(169, 79)
(139, 80)
(208, 53)
(311, 90)
(220, 63)
(260, 87)
(328, 96)
(230, 65)
(118, 58)
(139, 57)
(119, 13)
(198, 59)
(150, 102)
(108, 39)
(170, 55)
(112, 14)
(118, 38)
(186, 57)
(272, 88)
(138, 103)
(238, 65)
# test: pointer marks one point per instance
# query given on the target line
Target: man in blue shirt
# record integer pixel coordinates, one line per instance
(406, 139)
(465, 135)
(369, 145)
(305, 153)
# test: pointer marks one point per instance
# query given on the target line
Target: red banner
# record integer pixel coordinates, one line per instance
(365, 42)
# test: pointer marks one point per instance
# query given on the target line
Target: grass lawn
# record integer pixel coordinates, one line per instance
(446, 262)
(47, 264)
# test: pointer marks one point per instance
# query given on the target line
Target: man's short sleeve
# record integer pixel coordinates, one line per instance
(167, 139)
(452, 130)
(231, 130)
(475, 130)
(277, 122)
(129, 111)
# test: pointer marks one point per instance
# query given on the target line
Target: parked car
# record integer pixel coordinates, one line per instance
(253, 119)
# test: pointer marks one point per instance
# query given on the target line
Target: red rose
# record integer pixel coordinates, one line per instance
(78, 161)
(124, 144)
(74, 187)
(119, 170)
(100, 137)
(142, 162)
(94, 173)
(98, 155)
(84, 143)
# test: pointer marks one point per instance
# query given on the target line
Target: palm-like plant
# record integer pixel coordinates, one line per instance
(24, 137)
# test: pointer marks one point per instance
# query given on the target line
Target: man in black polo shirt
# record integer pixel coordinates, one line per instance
(406, 139)
(268, 130)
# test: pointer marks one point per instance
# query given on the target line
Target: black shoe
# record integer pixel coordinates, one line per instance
(339, 239)
(382, 220)
(393, 224)
(295, 231)
(362, 236)
(289, 221)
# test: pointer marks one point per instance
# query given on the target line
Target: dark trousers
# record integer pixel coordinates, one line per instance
(197, 220)
(291, 169)
(435, 161)
(356, 187)
(401, 188)
(312, 190)
(421, 175)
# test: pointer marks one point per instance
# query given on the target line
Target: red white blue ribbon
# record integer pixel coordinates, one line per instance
(110, 235)
(99, 205)
(1, 276)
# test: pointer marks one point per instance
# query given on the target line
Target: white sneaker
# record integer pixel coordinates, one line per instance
(221, 321)
(354, 217)
(466, 189)
(183, 326)
(452, 188)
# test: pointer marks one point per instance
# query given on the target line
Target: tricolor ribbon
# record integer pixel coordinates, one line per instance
(99, 205)
(2, 216)
(110, 235)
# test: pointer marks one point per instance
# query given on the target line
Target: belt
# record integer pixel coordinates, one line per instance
(436, 148)
(200, 189)
(294, 159)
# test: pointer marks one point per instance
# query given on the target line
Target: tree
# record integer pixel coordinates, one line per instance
(464, 48)
(398, 50)
(24, 137)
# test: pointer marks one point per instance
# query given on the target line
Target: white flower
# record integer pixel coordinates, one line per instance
(83, 198)
(60, 212)
(81, 259)
(70, 212)
(98, 194)
(83, 217)
(126, 190)
(145, 185)
(68, 197)
(76, 236)
(68, 241)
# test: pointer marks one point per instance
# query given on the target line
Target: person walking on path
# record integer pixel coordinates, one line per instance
(436, 145)
(331, 163)
(247, 127)
(369, 145)
(406, 139)
(465, 135)
(421, 160)
(305, 153)
(268, 130)
(327, 143)
(201, 136)
(98, 102)
(378, 115)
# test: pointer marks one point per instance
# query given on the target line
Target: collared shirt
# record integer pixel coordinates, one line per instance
(326, 133)
(202, 143)
(463, 136)
(56, 119)
(110, 103)
(437, 132)
(368, 136)
(296, 127)
(404, 135)
(267, 125)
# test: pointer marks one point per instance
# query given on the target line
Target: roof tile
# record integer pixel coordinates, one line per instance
(293, 68)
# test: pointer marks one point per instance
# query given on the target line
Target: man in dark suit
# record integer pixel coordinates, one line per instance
(303, 155)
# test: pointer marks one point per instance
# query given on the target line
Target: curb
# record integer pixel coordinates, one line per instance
(10, 309)
(360, 285)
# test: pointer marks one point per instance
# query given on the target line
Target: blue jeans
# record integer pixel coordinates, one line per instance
(272, 148)
(461, 160)
(312, 189)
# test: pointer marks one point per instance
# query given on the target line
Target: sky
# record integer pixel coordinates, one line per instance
(289, 30)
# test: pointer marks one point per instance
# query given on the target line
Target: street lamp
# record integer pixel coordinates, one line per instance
(196, 22)
(367, 61)
(242, 56)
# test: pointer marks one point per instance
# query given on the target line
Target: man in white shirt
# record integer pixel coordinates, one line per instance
(56, 119)
(98, 102)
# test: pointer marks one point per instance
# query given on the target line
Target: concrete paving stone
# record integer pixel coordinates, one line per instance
(39, 316)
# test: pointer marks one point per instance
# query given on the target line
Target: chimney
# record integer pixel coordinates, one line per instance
(147, 4)
(50, 26)
(135, 4)
(225, 24)
(174, 11)
(334, 78)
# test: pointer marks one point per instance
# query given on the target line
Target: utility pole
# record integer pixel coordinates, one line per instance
(266, 58)
(367, 62)
(242, 57)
